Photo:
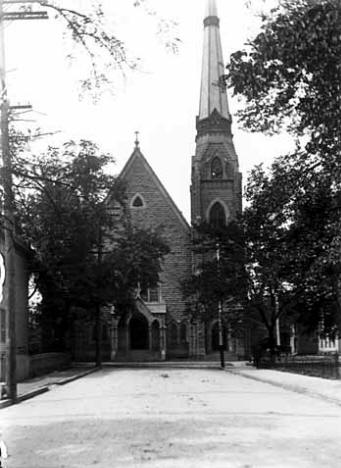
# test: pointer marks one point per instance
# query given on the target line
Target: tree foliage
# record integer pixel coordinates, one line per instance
(219, 273)
(290, 75)
(291, 227)
(289, 79)
(87, 253)
(95, 40)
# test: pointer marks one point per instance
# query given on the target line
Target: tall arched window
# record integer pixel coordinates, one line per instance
(216, 169)
(217, 216)
(183, 332)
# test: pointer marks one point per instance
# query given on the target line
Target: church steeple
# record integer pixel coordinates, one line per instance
(216, 180)
(213, 93)
(211, 9)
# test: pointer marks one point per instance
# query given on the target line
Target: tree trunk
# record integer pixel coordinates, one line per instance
(98, 358)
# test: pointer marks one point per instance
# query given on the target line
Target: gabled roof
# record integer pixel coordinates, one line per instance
(137, 154)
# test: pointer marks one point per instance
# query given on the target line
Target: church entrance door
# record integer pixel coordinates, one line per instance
(139, 332)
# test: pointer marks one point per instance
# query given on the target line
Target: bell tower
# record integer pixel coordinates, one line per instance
(216, 188)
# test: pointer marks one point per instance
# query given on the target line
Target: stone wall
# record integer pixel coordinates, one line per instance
(160, 212)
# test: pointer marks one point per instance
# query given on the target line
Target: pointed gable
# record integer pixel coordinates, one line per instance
(158, 210)
(142, 181)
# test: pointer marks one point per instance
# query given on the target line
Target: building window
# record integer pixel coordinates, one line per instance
(138, 202)
(216, 169)
(217, 216)
(151, 294)
(172, 334)
(183, 333)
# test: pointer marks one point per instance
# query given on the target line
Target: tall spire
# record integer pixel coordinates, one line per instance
(211, 9)
(213, 93)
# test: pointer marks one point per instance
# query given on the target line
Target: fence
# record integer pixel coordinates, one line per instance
(327, 367)
(48, 362)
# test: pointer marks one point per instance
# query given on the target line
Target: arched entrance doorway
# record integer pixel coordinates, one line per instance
(215, 337)
(139, 333)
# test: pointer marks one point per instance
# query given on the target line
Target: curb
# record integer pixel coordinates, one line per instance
(45, 388)
(291, 388)
(211, 365)
(31, 394)
(76, 377)
(24, 396)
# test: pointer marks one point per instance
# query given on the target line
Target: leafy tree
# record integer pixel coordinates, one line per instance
(94, 40)
(292, 272)
(87, 255)
(289, 75)
(289, 78)
(219, 275)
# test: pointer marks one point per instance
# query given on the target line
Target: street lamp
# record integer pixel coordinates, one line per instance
(220, 322)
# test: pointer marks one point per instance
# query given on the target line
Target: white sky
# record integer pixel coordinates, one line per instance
(161, 100)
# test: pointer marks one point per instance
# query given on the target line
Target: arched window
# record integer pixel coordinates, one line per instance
(137, 202)
(172, 334)
(216, 169)
(183, 332)
(217, 216)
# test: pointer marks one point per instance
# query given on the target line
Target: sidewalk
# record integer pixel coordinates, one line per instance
(37, 385)
(316, 387)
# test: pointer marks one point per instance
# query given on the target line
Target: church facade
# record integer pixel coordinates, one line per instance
(159, 327)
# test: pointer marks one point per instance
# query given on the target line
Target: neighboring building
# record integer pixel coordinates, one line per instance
(21, 260)
(159, 327)
(314, 342)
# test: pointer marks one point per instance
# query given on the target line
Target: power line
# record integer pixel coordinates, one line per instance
(25, 15)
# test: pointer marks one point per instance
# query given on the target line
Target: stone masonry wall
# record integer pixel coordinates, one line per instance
(160, 212)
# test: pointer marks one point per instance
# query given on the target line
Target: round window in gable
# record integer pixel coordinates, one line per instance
(137, 202)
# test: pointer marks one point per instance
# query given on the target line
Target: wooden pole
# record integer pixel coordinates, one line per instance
(8, 226)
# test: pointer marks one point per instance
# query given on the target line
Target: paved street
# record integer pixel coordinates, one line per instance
(171, 418)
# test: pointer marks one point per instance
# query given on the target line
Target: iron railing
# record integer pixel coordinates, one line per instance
(318, 366)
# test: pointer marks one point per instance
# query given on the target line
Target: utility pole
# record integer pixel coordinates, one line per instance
(9, 228)
(220, 321)
(278, 328)
(11, 387)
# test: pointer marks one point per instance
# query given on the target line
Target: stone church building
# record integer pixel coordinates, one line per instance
(159, 327)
